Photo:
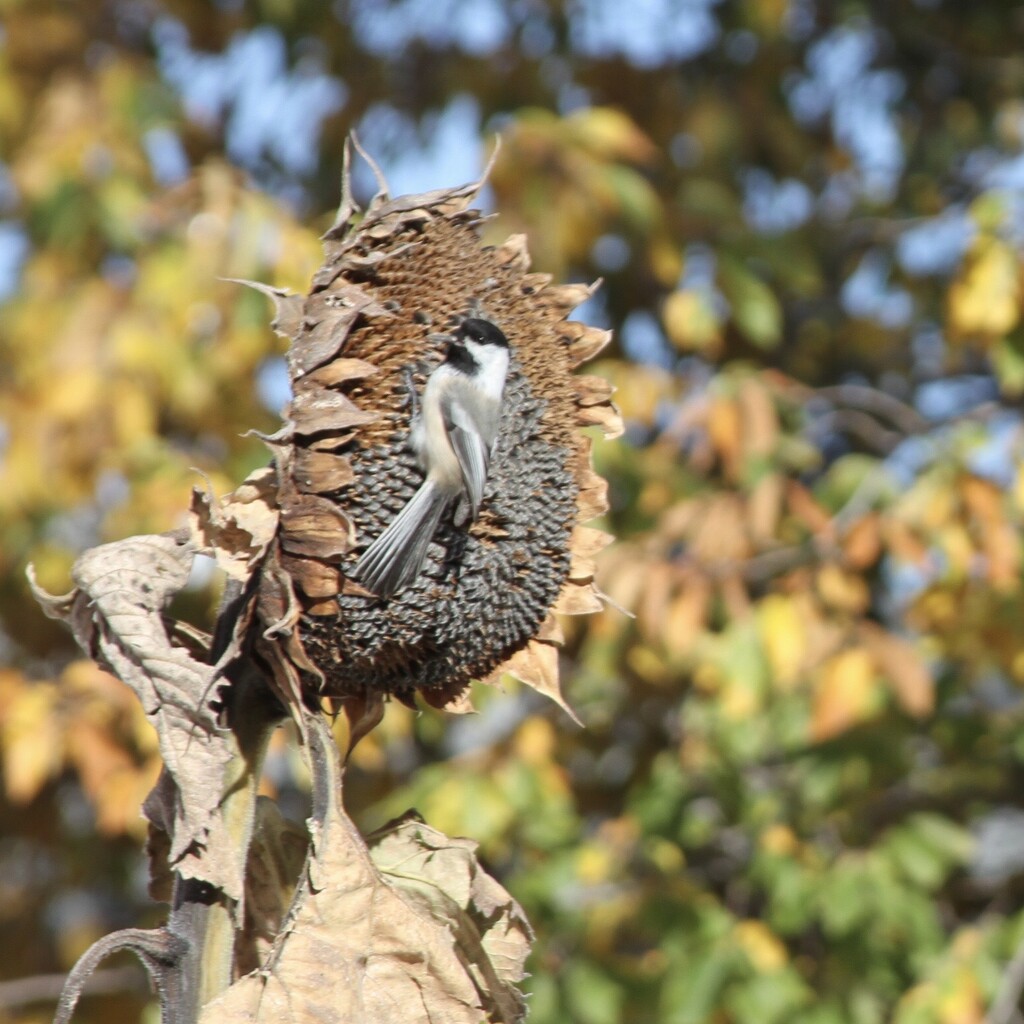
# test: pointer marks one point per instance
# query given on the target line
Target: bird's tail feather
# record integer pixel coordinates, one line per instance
(396, 557)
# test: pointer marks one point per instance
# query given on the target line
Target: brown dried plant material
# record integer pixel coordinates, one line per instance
(409, 929)
(391, 283)
(276, 858)
(116, 614)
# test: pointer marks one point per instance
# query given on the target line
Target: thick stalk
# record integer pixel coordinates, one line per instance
(201, 915)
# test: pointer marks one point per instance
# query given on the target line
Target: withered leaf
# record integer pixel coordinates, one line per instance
(566, 297)
(331, 315)
(443, 877)
(605, 416)
(536, 664)
(276, 857)
(115, 614)
(423, 936)
(287, 308)
(236, 530)
(314, 527)
(315, 410)
(315, 578)
(320, 472)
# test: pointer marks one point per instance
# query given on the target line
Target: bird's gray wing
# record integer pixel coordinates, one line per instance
(473, 455)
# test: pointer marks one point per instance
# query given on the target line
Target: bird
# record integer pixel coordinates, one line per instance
(453, 436)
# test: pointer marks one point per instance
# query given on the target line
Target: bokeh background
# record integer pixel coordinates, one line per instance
(799, 794)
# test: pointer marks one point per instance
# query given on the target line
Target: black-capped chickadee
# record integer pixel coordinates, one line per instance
(453, 436)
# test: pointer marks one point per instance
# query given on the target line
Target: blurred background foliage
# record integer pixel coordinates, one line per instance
(798, 796)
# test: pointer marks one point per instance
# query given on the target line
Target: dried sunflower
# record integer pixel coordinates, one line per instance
(393, 280)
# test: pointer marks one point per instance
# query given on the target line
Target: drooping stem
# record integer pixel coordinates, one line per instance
(202, 917)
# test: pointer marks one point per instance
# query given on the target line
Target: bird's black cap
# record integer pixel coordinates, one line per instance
(483, 332)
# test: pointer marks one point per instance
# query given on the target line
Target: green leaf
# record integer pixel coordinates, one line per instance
(755, 309)
(593, 997)
(845, 897)
(1008, 359)
(769, 998)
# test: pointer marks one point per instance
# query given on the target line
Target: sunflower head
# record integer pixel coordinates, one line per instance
(364, 338)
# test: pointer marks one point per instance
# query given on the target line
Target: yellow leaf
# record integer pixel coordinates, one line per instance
(762, 947)
(666, 260)
(535, 741)
(610, 134)
(961, 1001)
(957, 546)
(33, 751)
(691, 320)
(846, 693)
(779, 840)
(1017, 493)
(783, 637)
(594, 864)
(985, 297)
(842, 591)
(640, 391)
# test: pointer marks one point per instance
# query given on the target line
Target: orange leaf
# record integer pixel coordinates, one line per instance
(862, 544)
(760, 422)
(900, 661)
(725, 425)
(686, 615)
(764, 506)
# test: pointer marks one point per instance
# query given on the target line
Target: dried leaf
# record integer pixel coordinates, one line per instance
(587, 343)
(421, 935)
(319, 472)
(577, 600)
(237, 530)
(287, 308)
(276, 857)
(604, 416)
(332, 315)
(313, 577)
(115, 614)
(315, 527)
(315, 410)
(537, 666)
